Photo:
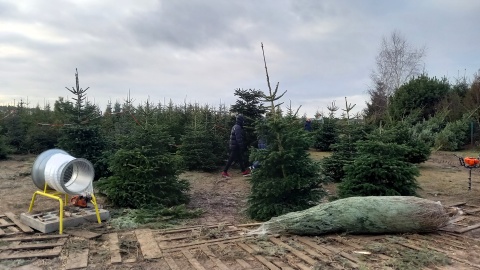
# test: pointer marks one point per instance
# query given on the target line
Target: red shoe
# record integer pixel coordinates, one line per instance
(246, 173)
(225, 175)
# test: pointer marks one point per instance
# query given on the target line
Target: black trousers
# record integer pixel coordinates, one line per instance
(235, 155)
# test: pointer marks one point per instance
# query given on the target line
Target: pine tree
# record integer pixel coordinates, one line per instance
(379, 169)
(287, 179)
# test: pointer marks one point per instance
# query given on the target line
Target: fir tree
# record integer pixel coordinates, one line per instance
(326, 135)
(379, 169)
(199, 148)
(344, 151)
(401, 133)
(287, 179)
(145, 171)
(82, 137)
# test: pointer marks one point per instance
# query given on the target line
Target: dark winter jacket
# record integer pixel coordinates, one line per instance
(236, 135)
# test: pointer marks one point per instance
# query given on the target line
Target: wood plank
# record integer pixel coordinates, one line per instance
(361, 248)
(296, 252)
(192, 235)
(472, 211)
(148, 245)
(329, 250)
(32, 246)
(261, 259)
(77, 259)
(226, 239)
(115, 256)
(35, 238)
(171, 263)
(19, 223)
(456, 204)
(444, 252)
(214, 258)
(249, 224)
(38, 254)
(190, 228)
(438, 240)
(82, 233)
(321, 257)
(302, 266)
(282, 265)
(469, 228)
(2, 232)
(243, 264)
(10, 226)
(7, 225)
(192, 260)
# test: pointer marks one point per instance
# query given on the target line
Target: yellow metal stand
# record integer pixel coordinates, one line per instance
(53, 194)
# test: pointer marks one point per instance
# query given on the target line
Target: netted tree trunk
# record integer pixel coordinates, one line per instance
(383, 214)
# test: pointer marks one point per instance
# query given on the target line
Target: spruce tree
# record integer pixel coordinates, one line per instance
(379, 169)
(287, 179)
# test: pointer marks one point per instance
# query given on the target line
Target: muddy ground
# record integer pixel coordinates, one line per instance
(224, 201)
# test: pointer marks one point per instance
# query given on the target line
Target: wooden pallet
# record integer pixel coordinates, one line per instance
(11, 225)
(224, 246)
(27, 247)
(465, 223)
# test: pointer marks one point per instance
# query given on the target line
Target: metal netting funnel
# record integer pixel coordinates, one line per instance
(62, 172)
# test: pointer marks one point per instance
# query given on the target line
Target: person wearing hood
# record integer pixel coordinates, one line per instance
(236, 147)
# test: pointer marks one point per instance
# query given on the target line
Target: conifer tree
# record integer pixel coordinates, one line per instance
(344, 150)
(82, 136)
(379, 169)
(287, 179)
(249, 104)
(327, 133)
(145, 169)
(200, 148)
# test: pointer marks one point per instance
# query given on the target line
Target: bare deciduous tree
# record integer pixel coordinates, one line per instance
(397, 62)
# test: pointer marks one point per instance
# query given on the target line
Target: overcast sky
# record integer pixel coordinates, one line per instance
(202, 50)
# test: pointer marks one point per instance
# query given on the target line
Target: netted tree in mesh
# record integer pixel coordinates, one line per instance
(383, 214)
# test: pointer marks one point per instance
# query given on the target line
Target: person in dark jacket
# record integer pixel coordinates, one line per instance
(308, 124)
(236, 147)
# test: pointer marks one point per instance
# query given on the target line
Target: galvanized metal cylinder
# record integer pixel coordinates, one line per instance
(62, 172)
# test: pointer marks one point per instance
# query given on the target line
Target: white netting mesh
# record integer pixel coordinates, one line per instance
(69, 175)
